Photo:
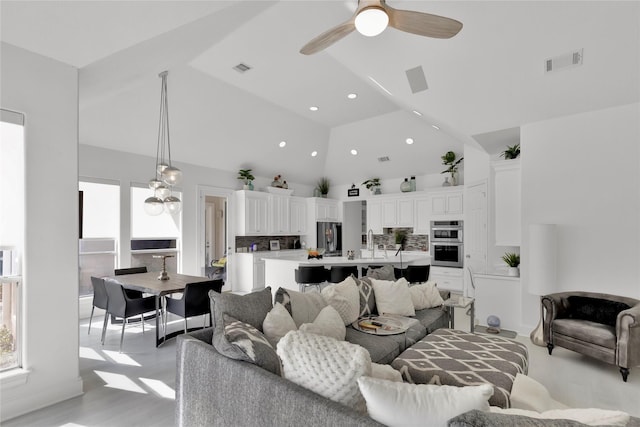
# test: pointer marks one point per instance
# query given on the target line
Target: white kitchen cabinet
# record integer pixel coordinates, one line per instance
(326, 209)
(397, 212)
(298, 215)
(422, 216)
(506, 181)
(448, 278)
(249, 272)
(447, 204)
(499, 296)
(252, 213)
(280, 215)
(374, 216)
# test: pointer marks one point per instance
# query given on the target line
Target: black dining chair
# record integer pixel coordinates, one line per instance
(194, 302)
(121, 305)
(131, 270)
(100, 299)
(338, 273)
(310, 276)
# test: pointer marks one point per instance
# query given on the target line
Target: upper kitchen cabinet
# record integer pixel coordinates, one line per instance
(252, 213)
(506, 183)
(397, 212)
(422, 215)
(374, 215)
(326, 209)
(298, 219)
(446, 203)
(280, 214)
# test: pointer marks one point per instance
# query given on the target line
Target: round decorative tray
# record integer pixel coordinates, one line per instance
(380, 325)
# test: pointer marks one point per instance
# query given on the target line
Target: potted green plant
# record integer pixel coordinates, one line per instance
(400, 235)
(449, 160)
(512, 259)
(322, 187)
(373, 185)
(512, 152)
(247, 178)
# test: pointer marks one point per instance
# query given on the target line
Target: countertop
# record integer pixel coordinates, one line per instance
(302, 260)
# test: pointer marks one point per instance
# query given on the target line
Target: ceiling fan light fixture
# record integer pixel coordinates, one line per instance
(371, 21)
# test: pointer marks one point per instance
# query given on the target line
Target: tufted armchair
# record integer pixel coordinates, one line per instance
(602, 326)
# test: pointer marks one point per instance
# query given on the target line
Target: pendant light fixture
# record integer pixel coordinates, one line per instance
(166, 175)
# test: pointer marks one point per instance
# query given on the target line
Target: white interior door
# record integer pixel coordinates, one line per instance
(475, 232)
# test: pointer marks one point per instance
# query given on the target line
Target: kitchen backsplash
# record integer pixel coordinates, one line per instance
(263, 242)
(414, 242)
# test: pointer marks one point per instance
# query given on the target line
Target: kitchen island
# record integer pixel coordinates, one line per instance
(280, 271)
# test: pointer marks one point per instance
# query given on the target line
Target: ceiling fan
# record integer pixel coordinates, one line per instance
(373, 16)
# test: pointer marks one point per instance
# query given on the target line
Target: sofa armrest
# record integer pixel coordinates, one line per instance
(553, 306)
(628, 337)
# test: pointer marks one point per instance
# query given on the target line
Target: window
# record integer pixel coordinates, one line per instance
(12, 212)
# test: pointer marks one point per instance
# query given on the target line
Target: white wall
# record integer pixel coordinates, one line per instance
(46, 92)
(582, 172)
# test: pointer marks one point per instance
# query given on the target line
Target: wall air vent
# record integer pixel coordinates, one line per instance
(568, 60)
(384, 159)
(417, 80)
(242, 68)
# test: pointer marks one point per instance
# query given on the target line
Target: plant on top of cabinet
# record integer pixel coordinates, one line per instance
(246, 176)
(513, 261)
(512, 152)
(373, 185)
(449, 159)
(322, 187)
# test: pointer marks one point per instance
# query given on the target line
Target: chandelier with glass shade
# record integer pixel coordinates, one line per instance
(166, 175)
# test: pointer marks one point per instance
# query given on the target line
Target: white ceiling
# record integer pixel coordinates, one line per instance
(485, 82)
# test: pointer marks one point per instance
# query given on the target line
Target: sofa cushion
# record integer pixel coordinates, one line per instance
(393, 297)
(303, 307)
(594, 309)
(250, 308)
(327, 323)
(402, 404)
(277, 323)
(425, 295)
(241, 341)
(325, 365)
(587, 416)
(345, 298)
(367, 297)
(383, 349)
(476, 418)
(433, 318)
(587, 331)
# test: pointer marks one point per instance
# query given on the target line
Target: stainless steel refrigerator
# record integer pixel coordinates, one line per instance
(330, 238)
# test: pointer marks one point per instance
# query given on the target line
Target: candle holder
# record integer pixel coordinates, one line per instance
(163, 274)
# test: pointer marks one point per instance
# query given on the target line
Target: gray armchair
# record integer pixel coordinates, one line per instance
(603, 326)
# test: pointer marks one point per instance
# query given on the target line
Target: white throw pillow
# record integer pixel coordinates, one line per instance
(406, 405)
(588, 416)
(345, 298)
(425, 295)
(393, 297)
(305, 306)
(328, 323)
(277, 323)
(325, 366)
(385, 372)
(529, 394)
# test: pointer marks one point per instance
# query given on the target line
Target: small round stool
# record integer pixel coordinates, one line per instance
(310, 276)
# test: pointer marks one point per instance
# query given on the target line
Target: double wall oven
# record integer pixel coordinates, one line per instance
(447, 248)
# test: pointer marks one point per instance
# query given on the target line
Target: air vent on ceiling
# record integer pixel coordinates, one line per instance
(242, 68)
(568, 60)
(384, 159)
(417, 80)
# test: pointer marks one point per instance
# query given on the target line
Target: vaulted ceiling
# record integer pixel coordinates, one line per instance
(483, 84)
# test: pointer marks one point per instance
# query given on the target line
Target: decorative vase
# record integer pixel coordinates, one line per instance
(316, 193)
(446, 182)
(323, 195)
(513, 271)
(454, 180)
(250, 185)
(405, 186)
(412, 181)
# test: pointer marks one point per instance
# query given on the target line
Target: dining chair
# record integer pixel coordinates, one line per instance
(121, 305)
(100, 299)
(194, 302)
(131, 270)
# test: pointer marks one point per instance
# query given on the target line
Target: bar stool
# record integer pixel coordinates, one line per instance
(399, 272)
(373, 267)
(310, 276)
(417, 273)
(340, 272)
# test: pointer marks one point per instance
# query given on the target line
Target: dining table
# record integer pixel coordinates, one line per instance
(149, 283)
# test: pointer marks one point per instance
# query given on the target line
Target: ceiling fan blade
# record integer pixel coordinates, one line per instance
(422, 24)
(328, 38)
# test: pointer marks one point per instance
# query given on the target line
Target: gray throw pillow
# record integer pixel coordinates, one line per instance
(383, 273)
(240, 341)
(250, 308)
(367, 297)
(304, 307)
(476, 418)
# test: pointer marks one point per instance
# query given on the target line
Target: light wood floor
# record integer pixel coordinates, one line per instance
(136, 388)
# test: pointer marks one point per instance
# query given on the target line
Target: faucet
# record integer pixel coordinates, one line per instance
(370, 245)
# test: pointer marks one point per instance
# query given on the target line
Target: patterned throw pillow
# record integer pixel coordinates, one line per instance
(345, 298)
(303, 307)
(241, 341)
(367, 297)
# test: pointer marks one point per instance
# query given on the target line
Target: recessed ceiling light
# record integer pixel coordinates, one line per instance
(313, 108)
(314, 153)
(417, 113)
(409, 141)
(379, 85)
(282, 144)
(354, 152)
(435, 127)
(352, 96)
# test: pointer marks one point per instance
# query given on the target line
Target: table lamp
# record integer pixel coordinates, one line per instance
(542, 268)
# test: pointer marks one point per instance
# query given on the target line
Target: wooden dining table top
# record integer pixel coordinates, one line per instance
(149, 282)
